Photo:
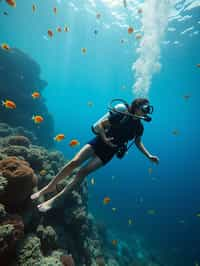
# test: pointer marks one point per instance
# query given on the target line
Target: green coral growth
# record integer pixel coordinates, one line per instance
(29, 252)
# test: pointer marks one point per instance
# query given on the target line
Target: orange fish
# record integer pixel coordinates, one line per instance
(5, 46)
(66, 29)
(9, 104)
(37, 119)
(130, 30)
(114, 242)
(84, 50)
(33, 7)
(59, 29)
(98, 15)
(50, 33)
(59, 137)
(11, 3)
(198, 65)
(35, 95)
(55, 10)
(106, 200)
(74, 142)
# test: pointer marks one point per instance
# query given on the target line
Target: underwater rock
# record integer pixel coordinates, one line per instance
(28, 252)
(21, 131)
(5, 130)
(21, 180)
(19, 141)
(48, 238)
(19, 77)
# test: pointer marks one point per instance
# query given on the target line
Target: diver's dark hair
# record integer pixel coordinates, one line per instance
(137, 103)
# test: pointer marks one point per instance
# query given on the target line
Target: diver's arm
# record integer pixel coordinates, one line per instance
(141, 147)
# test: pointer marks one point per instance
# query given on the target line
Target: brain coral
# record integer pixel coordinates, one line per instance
(21, 180)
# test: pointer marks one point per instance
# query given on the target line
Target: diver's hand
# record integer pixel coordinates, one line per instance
(154, 159)
(108, 141)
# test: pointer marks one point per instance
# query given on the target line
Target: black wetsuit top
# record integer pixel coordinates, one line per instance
(123, 131)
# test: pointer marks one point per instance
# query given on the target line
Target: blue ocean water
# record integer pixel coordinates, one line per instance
(103, 73)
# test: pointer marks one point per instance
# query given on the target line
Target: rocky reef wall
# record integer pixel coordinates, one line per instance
(19, 78)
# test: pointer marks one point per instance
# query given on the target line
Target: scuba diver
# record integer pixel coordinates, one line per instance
(113, 131)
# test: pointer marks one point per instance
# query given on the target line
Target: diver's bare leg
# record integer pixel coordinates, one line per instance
(91, 166)
(84, 154)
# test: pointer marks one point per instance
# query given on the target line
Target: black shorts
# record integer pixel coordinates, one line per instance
(102, 150)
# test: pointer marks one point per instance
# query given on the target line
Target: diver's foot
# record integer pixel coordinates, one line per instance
(45, 206)
(41, 192)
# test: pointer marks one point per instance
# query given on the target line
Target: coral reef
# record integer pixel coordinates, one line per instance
(29, 251)
(20, 181)
(68, 228)
(48, 238)
(11, 231)
(19, 78)
(19, 140)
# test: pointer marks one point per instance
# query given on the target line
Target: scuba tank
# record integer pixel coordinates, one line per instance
(120, 108)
